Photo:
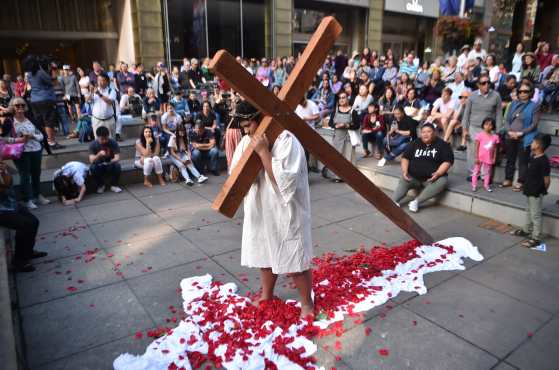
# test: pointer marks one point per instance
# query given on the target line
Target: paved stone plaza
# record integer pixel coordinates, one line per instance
(83, 306)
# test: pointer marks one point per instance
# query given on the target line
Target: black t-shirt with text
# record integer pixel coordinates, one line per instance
(111, 148)
(538, 168)
(426, 158)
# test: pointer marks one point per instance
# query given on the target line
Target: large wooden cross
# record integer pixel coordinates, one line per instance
(279, 115)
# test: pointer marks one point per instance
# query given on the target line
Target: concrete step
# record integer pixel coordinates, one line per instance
(549, 124)
(503, 205)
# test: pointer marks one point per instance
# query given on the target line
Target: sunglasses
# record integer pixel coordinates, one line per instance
(483, 82)
(524, 91)
(462, 97)
(19, 105)
(343, 97)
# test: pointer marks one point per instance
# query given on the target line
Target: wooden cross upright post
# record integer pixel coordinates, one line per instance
(279, 114)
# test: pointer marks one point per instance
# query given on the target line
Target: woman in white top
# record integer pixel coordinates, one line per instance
(83, 82)
(69, 182)
(147, 156)
(450, 70)
(29, 164)
(517, 60)
(170, 120)
(181, 156)
(362, 100)
(493, 70)
(443, 109)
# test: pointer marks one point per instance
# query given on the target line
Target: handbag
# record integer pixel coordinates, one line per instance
(11, 151)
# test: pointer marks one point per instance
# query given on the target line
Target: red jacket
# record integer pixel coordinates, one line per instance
(367, 125)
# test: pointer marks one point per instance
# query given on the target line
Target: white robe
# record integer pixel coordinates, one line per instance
(277, 226)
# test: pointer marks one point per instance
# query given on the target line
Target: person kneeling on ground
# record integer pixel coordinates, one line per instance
(104, 156)
(18, 218)
(69, 182)
(425, 164)
(147, 156)
(535, 187)
(277, 222)
(180, 155)
(204, 150)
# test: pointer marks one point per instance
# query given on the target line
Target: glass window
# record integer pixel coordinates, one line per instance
(224, 26)
(187, 28)
(254, 29)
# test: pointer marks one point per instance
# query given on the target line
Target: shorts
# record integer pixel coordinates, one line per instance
(45, 113)
(164, 98)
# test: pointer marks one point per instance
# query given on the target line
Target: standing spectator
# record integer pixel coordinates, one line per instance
(104, 157)
(71, 90)
(43, 101)
(84, 84)
(20, 86)
(179, 150)
(174, 79)
(162, 87)
(125, 78)
(96, 72)
(484, 103)
(185, 67)
(372, 131)
(425, 166)
(543, 56)
(195, 77)
(240, 111)
(140, 80)
(69, 182)
(103, 105)
(521, 124)
(204, 152)
(402, 131)
(517, 60)
(29, 165)
(343, 119)
(477, 51)
(340, 63)
(61, 106)
(486, 144)
(530, 68)
(25, 224)
(463, 57)
(194, 105)
(205, 68)
(147, 156)
(536, 186)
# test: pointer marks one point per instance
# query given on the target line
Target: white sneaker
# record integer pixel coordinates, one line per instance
(413, 206)
(381, 162)
(42, 200)
(189, 182)
(202, 179)
(101, 189)
(31, 205)
(116, 189)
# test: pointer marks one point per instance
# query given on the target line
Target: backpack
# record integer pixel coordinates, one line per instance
(136, 106)
(85, 132)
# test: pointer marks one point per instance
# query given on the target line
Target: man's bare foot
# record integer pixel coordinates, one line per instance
(148, 184)
(307, 311)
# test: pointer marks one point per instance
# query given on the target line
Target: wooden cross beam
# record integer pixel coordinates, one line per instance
(281, 113)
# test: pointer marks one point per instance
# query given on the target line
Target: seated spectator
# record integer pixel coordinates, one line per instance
(425, 166)
(390, 73)
(151, 103)
(443, 109)
(69, 182)
(147, 156)
(530, 68)
(131, 103)
(434, 88)
(422, 76)
(372, 131)
(157, 131)
(181, 106)
(325, 99)
(408, 66)
(308, 111)
(411, 104)
(456, 121)
(104, 157)
(170, 120)
(450, 70)
(194, 105)
(458, 85)
(204, 152)
(402, 131)
(403, 84)
(25, 224)
(387, 103)
(336, 84)
(181, 157)
(361, 102)
(208, 118)
(551, 91)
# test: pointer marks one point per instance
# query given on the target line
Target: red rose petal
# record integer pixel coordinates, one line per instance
(138, 335)
(383, 352)
(71, 289)
(368, 331)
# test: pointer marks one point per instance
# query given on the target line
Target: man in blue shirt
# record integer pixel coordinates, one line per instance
(408, 66)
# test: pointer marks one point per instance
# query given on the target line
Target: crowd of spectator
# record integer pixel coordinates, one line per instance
(415, 109)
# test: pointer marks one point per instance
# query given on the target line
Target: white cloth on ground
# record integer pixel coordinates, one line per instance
(277, 226)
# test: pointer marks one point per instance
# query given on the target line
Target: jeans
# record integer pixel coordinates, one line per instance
(183, 168)
(516, 149)
(29, 168)
(62, 112)
(430, 189)
(375, 138)
(395, 150)
(150, 164)
(202, 157)
(103, 170)
(533, 223)
(26, 225)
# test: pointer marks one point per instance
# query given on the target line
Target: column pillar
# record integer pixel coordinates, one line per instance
(147, 22)
(283, 30)
(374, 28)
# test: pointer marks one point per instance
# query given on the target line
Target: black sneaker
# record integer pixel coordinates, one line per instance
(38, 254)
(56, 146)
(461, 148)
(118, 138)
(215, 173)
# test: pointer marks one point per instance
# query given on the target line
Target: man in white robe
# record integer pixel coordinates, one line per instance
(277, 215)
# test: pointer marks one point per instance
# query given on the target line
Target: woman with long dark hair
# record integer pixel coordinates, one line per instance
(179, 150)
(147, 156)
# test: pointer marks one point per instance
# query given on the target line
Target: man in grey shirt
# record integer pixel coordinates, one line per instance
(481, 104)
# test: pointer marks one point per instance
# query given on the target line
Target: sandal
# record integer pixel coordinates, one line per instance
(506, 184)
(531, 243)
(520, 232)
(517, 188)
